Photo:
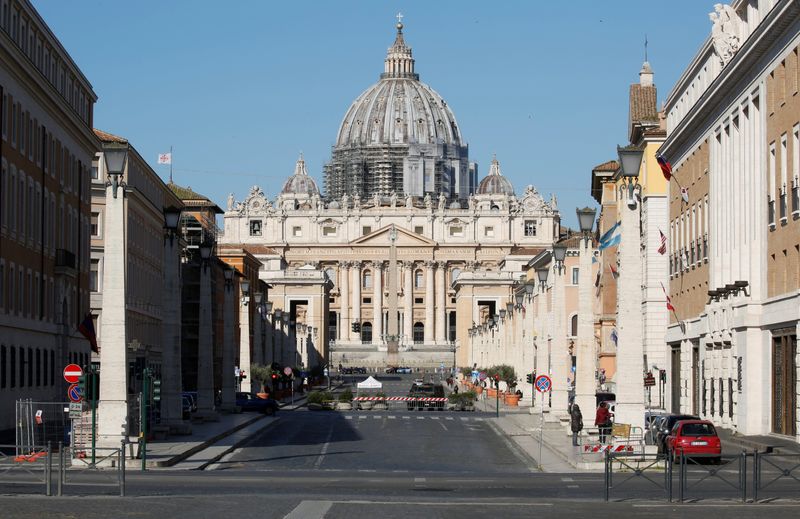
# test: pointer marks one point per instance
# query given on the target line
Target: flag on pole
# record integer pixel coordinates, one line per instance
(662, 249)
(87, 330)
(685, 194)
(669, 301)
(666, 167)
(165, 158)
(607, 235)
(609, 243)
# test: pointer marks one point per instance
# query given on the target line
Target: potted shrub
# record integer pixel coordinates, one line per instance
(260, 373)
(380, 405)
(468, 400)
(316, 400)
(328, 401)
(345, 401)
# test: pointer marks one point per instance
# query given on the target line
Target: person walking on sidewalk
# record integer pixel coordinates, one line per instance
(603, 420)
(575, 423)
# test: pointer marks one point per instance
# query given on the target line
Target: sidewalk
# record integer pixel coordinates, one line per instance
(211, 440)
(524, 429)
(766, 443)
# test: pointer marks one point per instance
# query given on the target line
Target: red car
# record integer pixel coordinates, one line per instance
(694, 437)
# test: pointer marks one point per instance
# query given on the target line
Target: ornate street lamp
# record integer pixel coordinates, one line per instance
(228, 273)
(586, 219)
(542, 274)
(172, 216)
(630, 159)
(245, 291)
(559, 254)
(115, 156)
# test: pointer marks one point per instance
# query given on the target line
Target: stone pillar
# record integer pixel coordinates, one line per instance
(113, 405)
(244, 342)
(586, 357)
(408, 301)
(205, 347)
(344, 302)
(429, 303)
(171, 383)
(377, 302)
(355, 336)
(630, 364)
(257, 358)
(560, 354)
(228, 375)
(441, 299)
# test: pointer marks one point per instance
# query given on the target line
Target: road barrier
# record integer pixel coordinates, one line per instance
(775, 475)
(649, 469)
(32, 467)
(398, 399)
(106, 470)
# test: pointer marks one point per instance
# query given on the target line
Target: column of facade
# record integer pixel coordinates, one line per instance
(228, 382)
(559, 347)
(586, 357)
(441, 316)
(377, 302)
(408, 300)
(356, 270)
(171, 382)
(257, 356)
(113, 405)
(344, 303)
(429, 266)
(244, 342)
(205, 347)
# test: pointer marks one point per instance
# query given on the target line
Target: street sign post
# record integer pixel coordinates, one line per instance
(543, 385)
(75, 409)
(72, 372)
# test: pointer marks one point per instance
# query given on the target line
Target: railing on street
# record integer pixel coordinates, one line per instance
(700, 472)
(643, 471)
(775, 475)
(32, 468)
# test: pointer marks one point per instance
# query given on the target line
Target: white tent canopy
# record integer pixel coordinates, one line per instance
(369, 383)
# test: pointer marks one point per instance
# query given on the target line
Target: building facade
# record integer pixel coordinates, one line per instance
(732, 123)
(46, 152)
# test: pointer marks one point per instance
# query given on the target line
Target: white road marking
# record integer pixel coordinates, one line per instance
(310, 510)
(443, 425)
(573, 486)
(391, 417)
(324, 450)
(434, 417)
(377, 417)
(420, 418)
(348, 417)
(406, 417)
(362, 417)
(419, 480)
(448, 417)
(569, 480)
(463, 419)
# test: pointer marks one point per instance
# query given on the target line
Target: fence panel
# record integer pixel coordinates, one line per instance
(41, 423)
(637, 474)
(29, 472)
(775, 476)
(705, 476)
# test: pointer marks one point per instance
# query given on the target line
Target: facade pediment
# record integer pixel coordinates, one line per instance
(404, 238)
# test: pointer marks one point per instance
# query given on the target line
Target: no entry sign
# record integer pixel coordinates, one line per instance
(72, 373)
(543, 383)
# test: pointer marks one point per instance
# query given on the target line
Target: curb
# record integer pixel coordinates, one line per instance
(236, 445)
(199, 447)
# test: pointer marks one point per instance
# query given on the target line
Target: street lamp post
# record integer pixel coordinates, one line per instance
(630, 363)
(244, 335)
(205, 348)
(586, 358)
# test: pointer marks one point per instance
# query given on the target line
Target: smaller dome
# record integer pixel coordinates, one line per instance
(300, 183)
(455, 204)
(495, 183)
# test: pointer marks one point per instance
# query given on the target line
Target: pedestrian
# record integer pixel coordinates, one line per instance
(603, 421)
(575, 423)
(455, 390)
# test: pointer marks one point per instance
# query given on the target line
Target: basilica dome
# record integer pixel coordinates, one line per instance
(495, 183)
(399, 109)
(300, 183)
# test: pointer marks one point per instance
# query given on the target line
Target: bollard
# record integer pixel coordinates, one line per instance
(743, 475)
(682, 478)
(668, 470)
(61, 464)
(48, 468)
(607, 479)
(122, 469)
(756, 467)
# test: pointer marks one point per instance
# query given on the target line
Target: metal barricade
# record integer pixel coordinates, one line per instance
(32, 468)
(106, 470)
(41, 423)
(719, 477)
(775, 475)
(634, 468)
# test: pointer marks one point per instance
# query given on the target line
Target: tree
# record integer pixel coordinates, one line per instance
(260, 374)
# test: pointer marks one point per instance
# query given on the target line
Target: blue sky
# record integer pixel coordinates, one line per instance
(239, 89)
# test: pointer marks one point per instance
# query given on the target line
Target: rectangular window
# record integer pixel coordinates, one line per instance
(575, 275)
(772, 181)
(530, 228)
(30, 366)
(95, 173)
(22, 367)
(796, 169)
(297, 232)
(366, 230)
(12, 367)
(3, 366)
(488, 232)
(255, 227)
(456, 231)
(367, 300)
(329, 231)
(94, 272)
(418, 229)
(38, 367)
(784, 180)
(419, 301)
(95, 224)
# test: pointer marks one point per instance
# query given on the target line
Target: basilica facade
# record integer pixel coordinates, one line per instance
(393, 270)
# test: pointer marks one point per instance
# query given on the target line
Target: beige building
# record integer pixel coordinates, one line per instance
(733, 140)
(46, 151)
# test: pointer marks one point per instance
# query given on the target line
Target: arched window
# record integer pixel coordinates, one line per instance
(573, 325)
(454, 274)
(419, 333)
(419, 279)
(366, 333)
(367, 279)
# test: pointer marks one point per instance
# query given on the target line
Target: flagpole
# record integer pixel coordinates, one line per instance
(170, 163)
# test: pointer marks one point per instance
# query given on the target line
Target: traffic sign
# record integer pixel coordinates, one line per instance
(74, 393)
(543, 384)
(482, 375)
(287, 371)
(72, 373)
(649, 379)
(75, 409)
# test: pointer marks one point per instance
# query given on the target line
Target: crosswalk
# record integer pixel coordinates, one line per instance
(415, 417)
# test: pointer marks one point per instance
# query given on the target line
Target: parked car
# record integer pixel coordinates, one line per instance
(403, 370)
(390, 369)
(693, 437)
(651, 421)
(665, 427)
(248, 402)
(426, 391)
(186, 407)
(360, 370)
(192, 396)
